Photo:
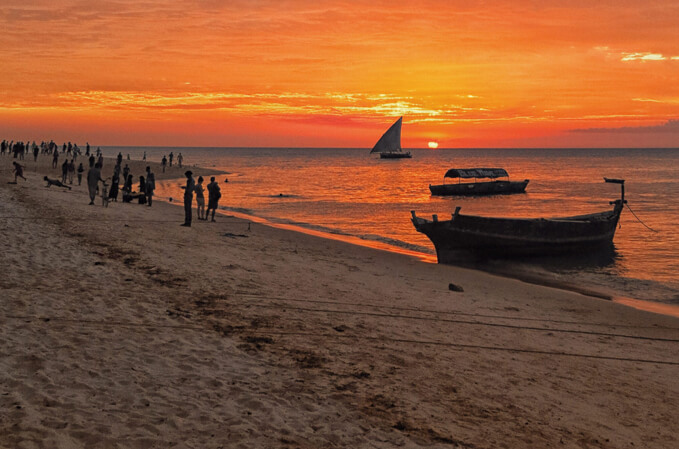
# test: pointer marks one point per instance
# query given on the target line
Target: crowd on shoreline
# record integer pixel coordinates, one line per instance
(108, 193)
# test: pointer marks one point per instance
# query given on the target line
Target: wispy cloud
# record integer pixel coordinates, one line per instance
(670, 126)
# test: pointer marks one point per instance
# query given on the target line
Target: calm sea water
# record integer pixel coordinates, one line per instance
(348, 192)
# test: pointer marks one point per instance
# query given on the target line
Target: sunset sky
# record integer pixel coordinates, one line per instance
(337, 73)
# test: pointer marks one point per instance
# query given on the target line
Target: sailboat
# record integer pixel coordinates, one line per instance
(389, 145)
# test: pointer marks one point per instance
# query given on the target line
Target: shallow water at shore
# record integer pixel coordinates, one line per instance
(346, 193)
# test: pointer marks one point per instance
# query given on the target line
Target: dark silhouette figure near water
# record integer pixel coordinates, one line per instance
(81, 169)
(93, 178)
(150, 186)
(188, 197)
(213, 196)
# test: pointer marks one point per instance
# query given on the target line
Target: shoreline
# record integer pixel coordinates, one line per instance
(535, 279)
(121, 328)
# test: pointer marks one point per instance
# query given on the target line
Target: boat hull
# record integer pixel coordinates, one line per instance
(479, 188)
(509, 237)
(395, 156)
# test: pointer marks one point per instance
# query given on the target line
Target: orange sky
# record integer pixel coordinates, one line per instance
(338, 73)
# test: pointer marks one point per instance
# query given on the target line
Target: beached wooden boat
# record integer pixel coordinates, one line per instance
(489, 184)
(389, 145)
(493, 237)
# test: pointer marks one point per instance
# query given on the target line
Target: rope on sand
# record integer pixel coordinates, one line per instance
(380, 340)
(450, 312)
(473, 323)
(466, 346)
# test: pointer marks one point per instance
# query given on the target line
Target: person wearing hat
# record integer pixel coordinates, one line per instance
(188, 197)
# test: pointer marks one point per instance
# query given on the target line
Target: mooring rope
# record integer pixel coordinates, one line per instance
(639, 219)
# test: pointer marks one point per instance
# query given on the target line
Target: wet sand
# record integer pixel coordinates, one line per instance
(122, 329)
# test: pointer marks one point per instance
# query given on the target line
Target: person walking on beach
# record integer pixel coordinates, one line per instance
(93, 178)
(180, 158)
(171, 156)
(164, 163)
(188, 197)
(144, 158)
(55, 158)
(200, 199)
(213, 197)
(150, 186)
(18, 171)
(81, 169)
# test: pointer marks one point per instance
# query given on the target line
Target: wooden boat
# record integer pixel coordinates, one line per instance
(389, 145)
(492, 185)
(503, 237)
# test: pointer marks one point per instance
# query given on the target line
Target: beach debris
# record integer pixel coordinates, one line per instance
(340, 328)
(232, 235)
(455, 288)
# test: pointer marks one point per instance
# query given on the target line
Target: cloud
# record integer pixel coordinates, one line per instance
(670, 126)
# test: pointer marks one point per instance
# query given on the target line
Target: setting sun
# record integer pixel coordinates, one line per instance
(433, 144)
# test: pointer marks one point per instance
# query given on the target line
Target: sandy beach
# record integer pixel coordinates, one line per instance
(121, 329)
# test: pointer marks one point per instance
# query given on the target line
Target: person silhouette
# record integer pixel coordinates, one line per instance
(188, 197)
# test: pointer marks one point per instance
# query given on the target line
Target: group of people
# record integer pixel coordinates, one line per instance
(165, 159)
(191, 187)
(146, 186)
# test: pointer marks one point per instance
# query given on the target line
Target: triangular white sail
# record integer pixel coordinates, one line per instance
(390, 142)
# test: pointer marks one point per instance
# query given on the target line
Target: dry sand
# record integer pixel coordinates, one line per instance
(121, 329)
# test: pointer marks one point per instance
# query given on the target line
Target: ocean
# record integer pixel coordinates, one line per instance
(349, 194)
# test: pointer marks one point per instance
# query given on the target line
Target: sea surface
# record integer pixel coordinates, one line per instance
(349, 193)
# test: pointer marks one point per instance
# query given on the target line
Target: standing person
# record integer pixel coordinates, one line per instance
(171, 156)
(200, 199)
(71, 171)
(115, 185)
(55, 158)
(144, 158)
(180, 158)
(18, 171)
(126, 171)
(64, 171)
(150, 185)
(164, 162)
(188, 197)
(142, 190)
(93, 178)
(35, 152)
(213, 197)
(81, 169)
(127, 189)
